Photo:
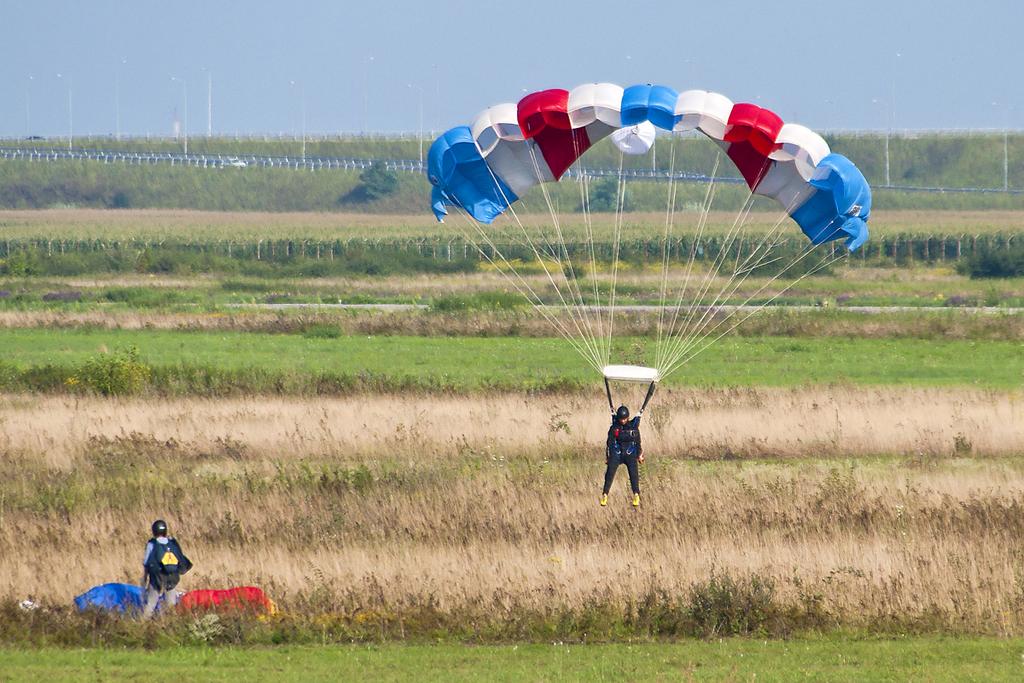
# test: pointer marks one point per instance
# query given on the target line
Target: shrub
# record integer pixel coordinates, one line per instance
(724, 606)
(68, 295)
(142, 297)
(989, 262)
(113, 374)
(120, 200)
(604, 196)
(19, 264)
(36, 378)
(484, 301)
(322, 332)
(244, 287)
(376, 182)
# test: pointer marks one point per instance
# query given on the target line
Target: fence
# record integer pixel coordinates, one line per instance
(206, 160)
(890, 249)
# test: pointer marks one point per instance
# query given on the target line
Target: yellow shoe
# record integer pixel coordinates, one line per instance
(604, 499)
(636, 500)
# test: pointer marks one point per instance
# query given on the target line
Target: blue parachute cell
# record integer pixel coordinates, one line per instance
(112, 597)
(840, 206)
(462, 178)
(654, 103)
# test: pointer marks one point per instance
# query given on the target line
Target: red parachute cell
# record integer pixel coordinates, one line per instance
(544, 118)
(751, 135)
(247, 598)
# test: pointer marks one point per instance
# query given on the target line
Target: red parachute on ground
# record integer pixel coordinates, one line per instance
(243, 598)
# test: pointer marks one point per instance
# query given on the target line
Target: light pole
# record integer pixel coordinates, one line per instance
(420, 89)
(888, 129)
(892, 110)
(437, 99)
(1006, 148)
(892, 115)
(184, 120)
(71, 112)
(117, 99)
(302, 105)
(28, 106)
(832, 107)
(209, 103)
(366, 93)
(1006, 144)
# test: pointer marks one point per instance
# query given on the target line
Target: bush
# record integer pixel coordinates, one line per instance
(120, 200)
(724, 606)
(67, 295)
(376, 182)
(989, 262)
(604, 196)
(142, 297)
(245, 287)
(19, 265)
(36, 378)
(113, 374)
(484, 301)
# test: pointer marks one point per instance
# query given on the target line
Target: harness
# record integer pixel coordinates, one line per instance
(625, 439)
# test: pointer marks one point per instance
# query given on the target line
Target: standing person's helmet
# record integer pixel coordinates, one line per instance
(622, 413)
(159, 528)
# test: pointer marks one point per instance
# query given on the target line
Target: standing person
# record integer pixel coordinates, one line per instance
(623, 448)
(163, 565)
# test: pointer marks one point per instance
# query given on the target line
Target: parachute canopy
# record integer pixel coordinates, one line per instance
(484, 168)
(112, 597)
(242, 598)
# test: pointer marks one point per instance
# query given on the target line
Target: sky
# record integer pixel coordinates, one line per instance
(374, 66)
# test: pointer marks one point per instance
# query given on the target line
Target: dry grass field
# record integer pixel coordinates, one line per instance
(859, 507)
(681, 424)
(189, 224)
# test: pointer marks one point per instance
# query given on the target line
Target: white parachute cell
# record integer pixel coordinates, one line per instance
(793, 162)
(593, 102)
(508, 154)
(595, 107)
(783, 183)
(636, 139)
(704, 110)
(495, 124)
(802, 146)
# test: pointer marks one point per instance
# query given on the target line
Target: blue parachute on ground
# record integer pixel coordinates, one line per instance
(113, 597)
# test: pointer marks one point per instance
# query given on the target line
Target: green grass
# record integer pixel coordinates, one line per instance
(932, 659)
(466, 363)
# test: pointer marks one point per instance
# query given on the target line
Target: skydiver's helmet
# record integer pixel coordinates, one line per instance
(159, 528)
(622, 413)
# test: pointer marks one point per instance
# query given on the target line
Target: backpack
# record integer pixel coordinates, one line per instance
(166, 559)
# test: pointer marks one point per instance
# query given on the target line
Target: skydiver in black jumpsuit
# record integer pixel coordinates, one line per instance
(623, 448)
